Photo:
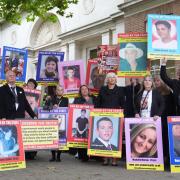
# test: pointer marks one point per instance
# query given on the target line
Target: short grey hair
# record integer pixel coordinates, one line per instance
(110, 75)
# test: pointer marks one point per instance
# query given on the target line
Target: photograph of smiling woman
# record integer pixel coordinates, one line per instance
(143, 139)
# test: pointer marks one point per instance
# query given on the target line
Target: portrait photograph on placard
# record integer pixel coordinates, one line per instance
(105, 133)
(47, 68)
(16, 60)
(33, 97)
(174, 143)
(78, 125)
(163, 36)
(133, 54)
(144, 144)
(94, 78)
(11, 146)
(72, 76)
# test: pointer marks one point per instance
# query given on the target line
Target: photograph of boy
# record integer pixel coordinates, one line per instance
(82, 125)
(71, 77)
(166, 35)
(104, 131)
(176, 139)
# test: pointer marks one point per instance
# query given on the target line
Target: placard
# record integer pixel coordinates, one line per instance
(11, 145)
(105, 134)
(144, 144)
(78, 125)
(163, 37)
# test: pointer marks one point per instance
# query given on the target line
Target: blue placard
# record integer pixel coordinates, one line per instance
(163, 36)
(14, 59)
(47, 68)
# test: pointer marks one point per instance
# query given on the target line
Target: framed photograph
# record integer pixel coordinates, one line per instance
(144, 144)
(174, 143)
(16, 60)
(105, 138)
(72, 75)
(40, 134)
(94, 78)
(11, 145)
(78, 125)
(33, 96)
(163, 37)
(47, 68)
(133, 55)
(62, 115)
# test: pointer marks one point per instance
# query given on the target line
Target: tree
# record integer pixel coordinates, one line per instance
(12, 10)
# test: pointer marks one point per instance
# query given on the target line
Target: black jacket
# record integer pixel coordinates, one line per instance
(111, 98)
(174, 84)
(157, 105)
(7, 103)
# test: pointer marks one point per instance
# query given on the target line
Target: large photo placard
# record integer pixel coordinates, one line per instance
(11, 145)
(40, 134)
(33, 96)
(133, 55)
(108, 58)
(174, 143)
(105, 133)
(16, 60)
(78, 125)
(144, 144)
(62, 115)
(47, 68)
(94, 77)
(72, 76)
(163, 37)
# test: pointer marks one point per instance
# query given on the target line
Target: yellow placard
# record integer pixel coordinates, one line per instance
(157, 167)
(167, 56)
(175, 168)
(132, 73)
(104, 153)
(12, 165)
(63, 148)
(112, 114)
(77, 144)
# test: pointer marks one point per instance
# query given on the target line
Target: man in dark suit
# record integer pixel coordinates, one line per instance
(104, 132)
(13, 102)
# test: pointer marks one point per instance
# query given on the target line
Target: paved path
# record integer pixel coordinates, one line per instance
(72, 169)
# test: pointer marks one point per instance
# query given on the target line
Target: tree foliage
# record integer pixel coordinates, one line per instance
(12, 10)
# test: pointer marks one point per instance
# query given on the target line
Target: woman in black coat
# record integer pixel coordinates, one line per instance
(84, 98)
(148, 102)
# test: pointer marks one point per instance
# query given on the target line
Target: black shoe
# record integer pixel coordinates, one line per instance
(52, 160)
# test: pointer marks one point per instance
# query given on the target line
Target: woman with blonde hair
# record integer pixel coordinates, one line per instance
(148, 102)
(143, 141)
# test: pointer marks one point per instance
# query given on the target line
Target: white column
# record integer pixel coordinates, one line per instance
(31, 69)
(72, 50)
(106, 38)
(65, 50)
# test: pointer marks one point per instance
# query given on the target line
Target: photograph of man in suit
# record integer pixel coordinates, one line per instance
(104, 132)
(13, 102)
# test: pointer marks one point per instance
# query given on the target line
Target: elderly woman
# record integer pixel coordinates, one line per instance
(143, 141)
(111, 96)
(148, 102)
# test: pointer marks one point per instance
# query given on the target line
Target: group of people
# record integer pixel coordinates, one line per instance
(152, 98)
